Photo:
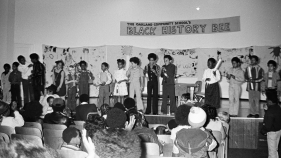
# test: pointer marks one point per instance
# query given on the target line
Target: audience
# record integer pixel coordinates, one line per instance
(141, 129)
(84, 108)
(120, 106)
(117, 143)
(16, 120)
(58, 117)
(103, 110)
(95, 123)
(50, 101)
(272, 126)
(32, 112)
(24, 149)
(72, 139)
(50, 92)
(194, 141)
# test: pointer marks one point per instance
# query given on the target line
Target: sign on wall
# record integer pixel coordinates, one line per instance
(183, 27)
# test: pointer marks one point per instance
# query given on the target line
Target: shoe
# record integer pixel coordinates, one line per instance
(147, 113)
(257, 116)
(250, 115)
(233, 116)
(155, 114)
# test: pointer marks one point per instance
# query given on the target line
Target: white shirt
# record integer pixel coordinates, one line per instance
(44, 103)
(25, 70)
(13, 122)
(208, 73)
(269, 82)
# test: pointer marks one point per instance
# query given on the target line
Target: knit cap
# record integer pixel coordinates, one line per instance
(197, 117)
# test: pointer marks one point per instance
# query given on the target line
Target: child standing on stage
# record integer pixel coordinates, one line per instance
(5, 84)
(15, 79)
(120, 88)
(71, 81)
(84, 78)
(212, 89)
(152, 70)
(254, 76)
(104, 80)
(135, 75)
(235, 77)
(168, 74)
(271, 85)
(25, 69)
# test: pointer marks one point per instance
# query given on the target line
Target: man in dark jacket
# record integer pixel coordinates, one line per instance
(58, 117)
(272, 126)
(84, 108)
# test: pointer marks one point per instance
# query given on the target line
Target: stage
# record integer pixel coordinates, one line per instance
(243, 132)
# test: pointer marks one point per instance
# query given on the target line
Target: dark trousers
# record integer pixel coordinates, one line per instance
(15, 91)
(37, 89)
(28, 95)
(71, 98)
(152, 86)
(168, 90)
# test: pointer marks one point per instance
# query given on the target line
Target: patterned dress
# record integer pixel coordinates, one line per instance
(58, 76)
(120, 89)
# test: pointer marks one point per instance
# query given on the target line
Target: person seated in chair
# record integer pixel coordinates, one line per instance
(72, 139)
(84, 108)
(12, 121)
(58, 117)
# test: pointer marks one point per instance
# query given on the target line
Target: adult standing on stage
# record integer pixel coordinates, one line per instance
(152, 71)
(59, 79)
(25, 68)
(38, 76)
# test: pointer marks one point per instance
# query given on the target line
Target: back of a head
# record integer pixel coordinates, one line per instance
(181, 115)
(116, 118)
(84, 98)
(97, 122)
(69, 133)
(120, 106)
(32, 111)
(129, 103)
(4, 109)
(104, 109)
(58, 105)
(224, 116)
(24, 149)
(211, 112)
(172, 124)
(140, 119)
(116, 143)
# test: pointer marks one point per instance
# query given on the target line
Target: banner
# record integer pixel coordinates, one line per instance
(183, 27)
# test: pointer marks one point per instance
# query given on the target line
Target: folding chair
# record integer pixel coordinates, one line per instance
(29, 131)
(7, 130)
(52, 133)
(4, 137)
(54, 126)
(165, 138)
(53, 138)
(33, 139)
(81, 123)
(33, 125)
(154, 126)
(79, 127)
(218, 137)
(150, 149)
(72, 153)
(91, 113)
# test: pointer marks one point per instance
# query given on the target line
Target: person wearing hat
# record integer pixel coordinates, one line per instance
(72, 138)
(195, 141)
(57, 116)
(50, 92)
(59, 78)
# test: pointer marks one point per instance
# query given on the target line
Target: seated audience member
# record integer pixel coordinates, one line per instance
(103, 110)
(50, 92)
(272, 126)
(224, 117)
(95, 123)
(58, 117)
(162, 130)
(13, 107)
(32, 112)
(141, 129)
(50, 101)
(172, 124)
(130, 104)
(25, 149)
(117, 143)
(181, 117)
(84, 108)
(185, 99)
(4, 108)
(15, 120)
(72, 138)
(213, 123)
(120, 106)
(194, 141)
(117, 119)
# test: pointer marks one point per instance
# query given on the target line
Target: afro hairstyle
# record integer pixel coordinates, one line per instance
(122, 61)
(34, 56)
(181, 114)
(152, 55)
(235, 59)
(116, 118)
(272, 62)
(135, 60)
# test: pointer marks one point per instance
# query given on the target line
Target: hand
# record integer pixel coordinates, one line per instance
(58, 89)
(88, 144)
(129, 126)
(208, 79)
(214, 72)
(263, 93)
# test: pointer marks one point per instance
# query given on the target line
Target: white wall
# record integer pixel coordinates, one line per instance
(97, 22)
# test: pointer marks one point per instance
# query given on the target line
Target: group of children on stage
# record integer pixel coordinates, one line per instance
(32, 77)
